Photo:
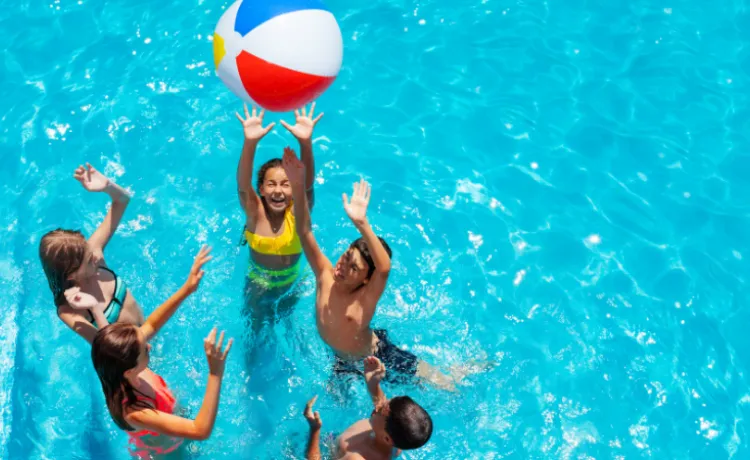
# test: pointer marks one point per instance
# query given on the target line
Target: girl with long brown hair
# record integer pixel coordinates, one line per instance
(87, 293)
(139, 400)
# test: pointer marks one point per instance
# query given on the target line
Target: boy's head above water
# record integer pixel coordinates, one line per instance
(355, 267)
(274, 187)
(402, 423)
(66, 260)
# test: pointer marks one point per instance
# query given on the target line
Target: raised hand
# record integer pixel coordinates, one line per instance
(304, 123)
(80, 300)
(313, 418)
(356, 209)
(293, 167)
(196, 271)
(253, 124)
(215, 356)
(91, 179)
(374, 370)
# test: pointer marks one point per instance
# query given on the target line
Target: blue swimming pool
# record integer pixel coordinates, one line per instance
(564, 184)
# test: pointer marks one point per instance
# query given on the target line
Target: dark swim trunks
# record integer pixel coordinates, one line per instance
(401, 366)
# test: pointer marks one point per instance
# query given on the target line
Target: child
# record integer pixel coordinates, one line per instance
(87, 293)
(270, 232)
(138, 400)
(395, 424)
(347, 294)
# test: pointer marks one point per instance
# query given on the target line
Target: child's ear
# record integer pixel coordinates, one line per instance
(367, 280)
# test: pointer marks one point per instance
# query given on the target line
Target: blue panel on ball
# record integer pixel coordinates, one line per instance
(253, 13)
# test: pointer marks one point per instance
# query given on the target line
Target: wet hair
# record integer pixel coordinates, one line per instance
(115, 349)
(61, 252)
(407, 423)
(361, 245)
(270, 164)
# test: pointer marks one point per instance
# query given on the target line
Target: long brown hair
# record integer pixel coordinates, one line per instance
(62, 252)
(115, 349)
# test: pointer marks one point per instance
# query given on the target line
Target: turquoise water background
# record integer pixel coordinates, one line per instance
(564, 184)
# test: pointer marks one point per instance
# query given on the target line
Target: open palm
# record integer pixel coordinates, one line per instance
(304, 123)
(252, 124)
(356, 208)
(293, 167)
(91, 179)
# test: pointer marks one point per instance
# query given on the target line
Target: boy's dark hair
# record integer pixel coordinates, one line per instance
(270, 164)
(408, 424)
(361, 245)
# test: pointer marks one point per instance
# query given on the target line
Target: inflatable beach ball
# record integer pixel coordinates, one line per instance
(278, 54)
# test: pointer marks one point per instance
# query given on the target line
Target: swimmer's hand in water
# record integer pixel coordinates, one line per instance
(80, 300)
(374, 370)
(294, 168)
(215, 356)
(313, 418)
(304, 123)
(252, 125)
(196, 271)
(356, 208)
(91, 179)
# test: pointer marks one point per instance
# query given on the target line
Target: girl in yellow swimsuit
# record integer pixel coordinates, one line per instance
(275, 249)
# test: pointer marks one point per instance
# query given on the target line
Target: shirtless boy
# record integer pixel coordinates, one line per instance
(394, 425)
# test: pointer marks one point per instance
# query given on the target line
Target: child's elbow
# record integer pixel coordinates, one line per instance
(384, 269)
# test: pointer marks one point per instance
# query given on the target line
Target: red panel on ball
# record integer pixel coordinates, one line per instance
(277, 88)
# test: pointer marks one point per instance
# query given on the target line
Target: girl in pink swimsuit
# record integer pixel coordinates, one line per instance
(138, 399)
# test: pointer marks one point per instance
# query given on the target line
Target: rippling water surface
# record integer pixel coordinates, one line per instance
(564, 184)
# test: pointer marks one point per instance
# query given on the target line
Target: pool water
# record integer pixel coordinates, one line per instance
(564, 185)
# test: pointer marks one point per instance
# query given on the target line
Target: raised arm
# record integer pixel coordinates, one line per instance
(161, 315)
(94, 181)
(252, 126)
(356, 209)
(302, 130)
(374, 373)
(295, 171)
(201, 427)
(313, 442)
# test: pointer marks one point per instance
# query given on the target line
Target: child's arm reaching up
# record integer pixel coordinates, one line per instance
(252, 126)
(356, 209)
(303, 130)
(202, 425)
(94, 181)
(295, 171)
(374, 373)
(313, 442)
(161, 315)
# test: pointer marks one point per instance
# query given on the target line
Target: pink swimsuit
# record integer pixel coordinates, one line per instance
(144, 443)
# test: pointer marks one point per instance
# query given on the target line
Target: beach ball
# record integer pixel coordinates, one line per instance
(278, 54)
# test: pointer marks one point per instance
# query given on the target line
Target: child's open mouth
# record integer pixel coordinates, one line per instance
(277, 201)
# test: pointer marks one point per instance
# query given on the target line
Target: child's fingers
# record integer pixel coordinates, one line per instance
(312, 109)
(226, 350)
(315, 121)
(269, 128)
(285, 125)
(304, 111)
(255, 112)
(308, 407)
(211, 336)
(239, 117)
(221, 340)
(89, 167)
(345, 199)
(296, 113)
(247, 113)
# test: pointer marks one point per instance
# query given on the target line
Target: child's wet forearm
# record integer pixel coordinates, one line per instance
(306, 154)
(313, 445)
